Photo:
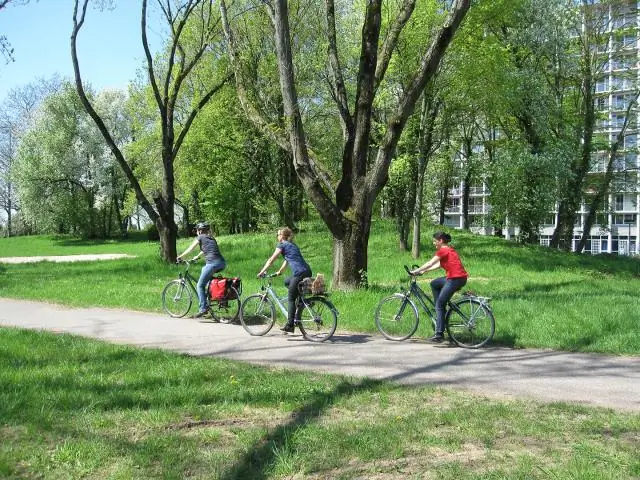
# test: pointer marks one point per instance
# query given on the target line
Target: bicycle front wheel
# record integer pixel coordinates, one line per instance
(318, 319)
(257, 314)
(470, 323)
(177, 298)
(397, 317)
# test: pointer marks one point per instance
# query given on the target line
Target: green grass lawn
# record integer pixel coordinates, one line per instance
(541, 297)
(76, 408)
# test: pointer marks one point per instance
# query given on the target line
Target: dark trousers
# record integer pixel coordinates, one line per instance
(443, 289)
(292, 282)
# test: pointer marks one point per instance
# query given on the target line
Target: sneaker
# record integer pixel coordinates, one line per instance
(288, 328)
(437, 338)
(200, 314)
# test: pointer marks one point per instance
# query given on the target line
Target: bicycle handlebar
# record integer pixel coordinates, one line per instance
(413, 267)
(268, 275)
(186, 262)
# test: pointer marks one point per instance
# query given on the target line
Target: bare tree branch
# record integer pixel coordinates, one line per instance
(391, 39)
(428, 67)
(338, 88)
(78, 22)
(256, 117)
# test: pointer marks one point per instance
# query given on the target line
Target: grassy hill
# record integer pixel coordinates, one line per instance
(71, 407)
(541, 297)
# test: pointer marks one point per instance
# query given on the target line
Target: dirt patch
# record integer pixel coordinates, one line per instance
(66, 258)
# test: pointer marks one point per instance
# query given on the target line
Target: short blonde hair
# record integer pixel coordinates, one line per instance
(286, 233)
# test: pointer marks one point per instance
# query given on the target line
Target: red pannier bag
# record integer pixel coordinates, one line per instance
(218, 288)
(235, 283)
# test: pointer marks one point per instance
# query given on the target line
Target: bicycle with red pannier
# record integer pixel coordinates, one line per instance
(224, 296)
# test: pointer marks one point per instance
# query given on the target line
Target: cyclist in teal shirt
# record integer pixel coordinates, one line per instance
(299, 268)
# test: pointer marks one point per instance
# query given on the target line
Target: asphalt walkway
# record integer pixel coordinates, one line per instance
(547, 376)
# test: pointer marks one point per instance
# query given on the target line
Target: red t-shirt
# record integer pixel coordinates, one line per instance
(450, 261)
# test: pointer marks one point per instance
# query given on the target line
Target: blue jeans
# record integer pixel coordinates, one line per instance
(443, 289)
(205, 277)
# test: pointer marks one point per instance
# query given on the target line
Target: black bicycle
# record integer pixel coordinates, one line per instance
(178, 296)
(469, 319)
(318, 317)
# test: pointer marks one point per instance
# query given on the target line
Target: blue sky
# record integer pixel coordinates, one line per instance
(109, 44)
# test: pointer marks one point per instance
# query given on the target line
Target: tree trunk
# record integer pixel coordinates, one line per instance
(9, 207)
(417, 209)
(425, 143)
(168, 233)
(350, 252)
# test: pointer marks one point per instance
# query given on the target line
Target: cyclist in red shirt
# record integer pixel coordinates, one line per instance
(443, 288)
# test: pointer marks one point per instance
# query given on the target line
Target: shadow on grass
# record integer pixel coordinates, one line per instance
(256, 462)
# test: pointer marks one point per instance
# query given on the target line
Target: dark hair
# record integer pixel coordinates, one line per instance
(202, 226)
(445, 237)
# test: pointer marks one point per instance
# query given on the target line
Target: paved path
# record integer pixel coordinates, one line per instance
(547, 376)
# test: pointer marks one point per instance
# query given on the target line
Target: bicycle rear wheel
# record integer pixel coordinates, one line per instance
(470, 323)
(227, 309)
(257, 314)
(318, 319)
(397, 317)
(177, 298)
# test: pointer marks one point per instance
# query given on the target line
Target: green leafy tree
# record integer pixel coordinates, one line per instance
(63, 171)
(17, 113)
(193, 31)
(366, 155)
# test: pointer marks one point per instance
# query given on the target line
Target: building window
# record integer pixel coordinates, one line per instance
(620, 82)
(624, 219)
(452, 221)
(602, 85)
(476, 205)
(624, 62)
(628, 40)
(545, 240)
(620, 102)
(598, 162)
(630, 141)
(617, 120)
(619, 201)
(601, 219)
(453, 204)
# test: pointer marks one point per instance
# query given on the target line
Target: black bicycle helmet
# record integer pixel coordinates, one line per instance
(202, 226)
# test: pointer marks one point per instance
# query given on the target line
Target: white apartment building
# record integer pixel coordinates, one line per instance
(616, 229)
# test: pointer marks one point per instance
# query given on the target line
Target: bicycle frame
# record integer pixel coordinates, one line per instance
(270, 291)
(273, 295)
(188, 279)
(429, 306)
(425, 301)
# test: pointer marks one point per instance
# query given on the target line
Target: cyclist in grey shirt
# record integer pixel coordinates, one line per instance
(299, 268)
(215, 263)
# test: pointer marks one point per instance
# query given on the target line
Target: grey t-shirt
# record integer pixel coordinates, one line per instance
(292, 255)
(209, 247)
